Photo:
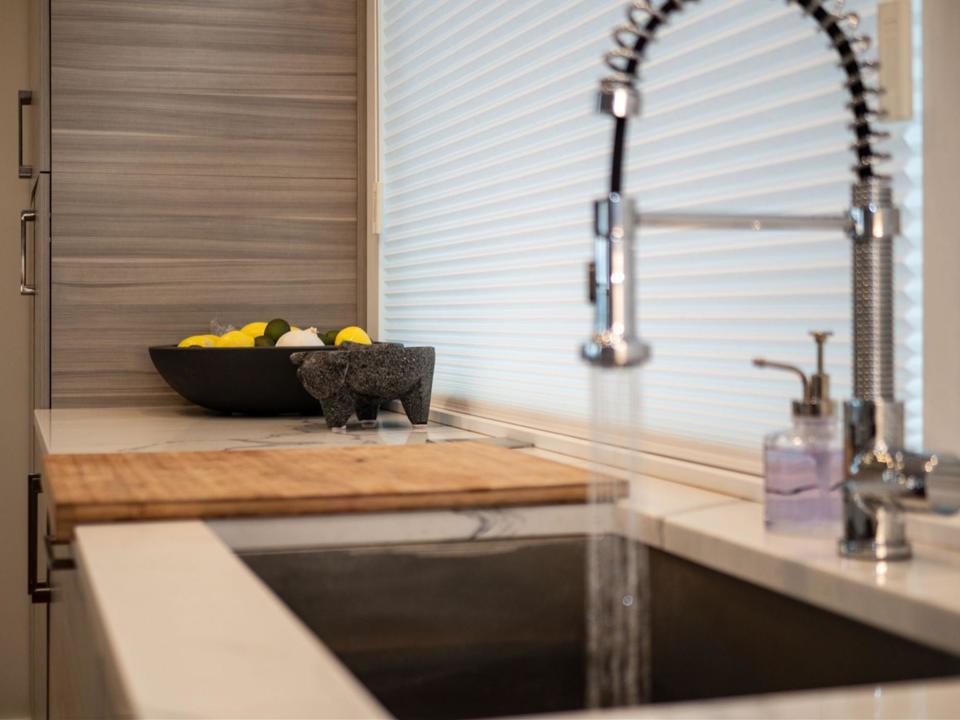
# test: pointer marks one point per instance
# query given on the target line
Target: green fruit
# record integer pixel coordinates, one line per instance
(330, 337)
(263, 341)
(276, 329)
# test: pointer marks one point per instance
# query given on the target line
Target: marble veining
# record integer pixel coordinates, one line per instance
(284, 533)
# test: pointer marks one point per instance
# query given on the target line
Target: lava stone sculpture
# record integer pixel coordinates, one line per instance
(358, 378)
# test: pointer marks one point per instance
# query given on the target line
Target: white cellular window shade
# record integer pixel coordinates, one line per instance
(492, 156)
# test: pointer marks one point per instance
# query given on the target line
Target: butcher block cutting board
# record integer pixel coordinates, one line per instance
(117, 487)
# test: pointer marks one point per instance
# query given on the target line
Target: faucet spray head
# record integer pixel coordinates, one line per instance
(614, 342)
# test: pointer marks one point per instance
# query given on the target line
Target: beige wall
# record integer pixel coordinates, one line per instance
(15, 317)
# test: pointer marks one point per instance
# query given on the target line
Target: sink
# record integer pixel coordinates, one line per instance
(494, 628)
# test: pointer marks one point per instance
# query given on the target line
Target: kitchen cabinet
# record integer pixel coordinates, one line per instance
(34, 153)
(78, 678)
(71, 669)
(39, 607)
(191, 161)
(36, 282)
(36, 116)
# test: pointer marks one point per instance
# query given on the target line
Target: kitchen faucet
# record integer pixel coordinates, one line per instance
(883, 479)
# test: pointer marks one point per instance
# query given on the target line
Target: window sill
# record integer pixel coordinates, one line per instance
(741, 485)
(939, 530)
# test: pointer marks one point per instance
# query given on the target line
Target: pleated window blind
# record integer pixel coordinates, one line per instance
(492, 155)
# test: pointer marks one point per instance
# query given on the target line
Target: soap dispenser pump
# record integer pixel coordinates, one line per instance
(803, 465)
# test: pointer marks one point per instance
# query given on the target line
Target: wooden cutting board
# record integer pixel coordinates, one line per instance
(120, 487)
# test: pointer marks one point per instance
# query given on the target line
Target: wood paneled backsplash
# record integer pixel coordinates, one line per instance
(207, 164)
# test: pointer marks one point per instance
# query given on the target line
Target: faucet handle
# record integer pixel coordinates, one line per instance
(943, 484)
(933, 478)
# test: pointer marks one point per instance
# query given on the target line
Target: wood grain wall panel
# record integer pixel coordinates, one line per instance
(109, 195)
(198, 133)
(169, 258)
(205, 160)
(241, 86)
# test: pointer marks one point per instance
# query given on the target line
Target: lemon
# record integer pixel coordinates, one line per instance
(234, 339)
(199, 341)
(352, 334)
(254, 329)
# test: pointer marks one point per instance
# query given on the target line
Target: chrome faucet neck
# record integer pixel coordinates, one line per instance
(875, 225)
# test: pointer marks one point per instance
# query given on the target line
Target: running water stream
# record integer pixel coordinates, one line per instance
(618, 583)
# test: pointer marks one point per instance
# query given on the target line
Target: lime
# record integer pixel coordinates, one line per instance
(276, 329)
(353, 334)
(263, 341)
(199, 341)
(235, 339)
(330, 337)
(254, 329)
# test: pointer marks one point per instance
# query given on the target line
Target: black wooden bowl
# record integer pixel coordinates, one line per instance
(245, 381)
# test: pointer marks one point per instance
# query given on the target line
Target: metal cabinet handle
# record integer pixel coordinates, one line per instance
(24, 97)
(39, 592)
(26, 216)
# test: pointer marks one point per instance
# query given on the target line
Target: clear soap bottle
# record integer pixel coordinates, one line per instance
(803, 465)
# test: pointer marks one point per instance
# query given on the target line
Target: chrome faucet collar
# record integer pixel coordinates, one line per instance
(873, 213)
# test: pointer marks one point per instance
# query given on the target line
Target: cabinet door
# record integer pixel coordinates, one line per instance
(38, 591)
(38, 661)
(78, 687)
(39, 110)
(39, 276)
(206, 167)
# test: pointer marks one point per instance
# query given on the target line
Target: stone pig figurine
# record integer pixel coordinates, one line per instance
(358, 378)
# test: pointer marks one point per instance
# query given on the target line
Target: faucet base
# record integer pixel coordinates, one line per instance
(874, 551)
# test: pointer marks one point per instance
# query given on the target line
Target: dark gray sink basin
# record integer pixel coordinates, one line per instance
(493, 628)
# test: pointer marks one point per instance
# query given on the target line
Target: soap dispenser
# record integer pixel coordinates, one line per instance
(803, 466)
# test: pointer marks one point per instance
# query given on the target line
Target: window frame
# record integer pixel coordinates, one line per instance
(941, 242)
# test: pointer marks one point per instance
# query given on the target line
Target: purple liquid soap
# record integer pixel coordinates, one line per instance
(803, 470)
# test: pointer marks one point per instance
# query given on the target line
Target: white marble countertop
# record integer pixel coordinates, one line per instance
(178, 428)
(919, 599)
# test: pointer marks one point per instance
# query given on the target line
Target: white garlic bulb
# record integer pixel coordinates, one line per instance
(300, 338)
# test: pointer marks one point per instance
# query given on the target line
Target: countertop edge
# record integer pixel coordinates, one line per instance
(192, 653)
